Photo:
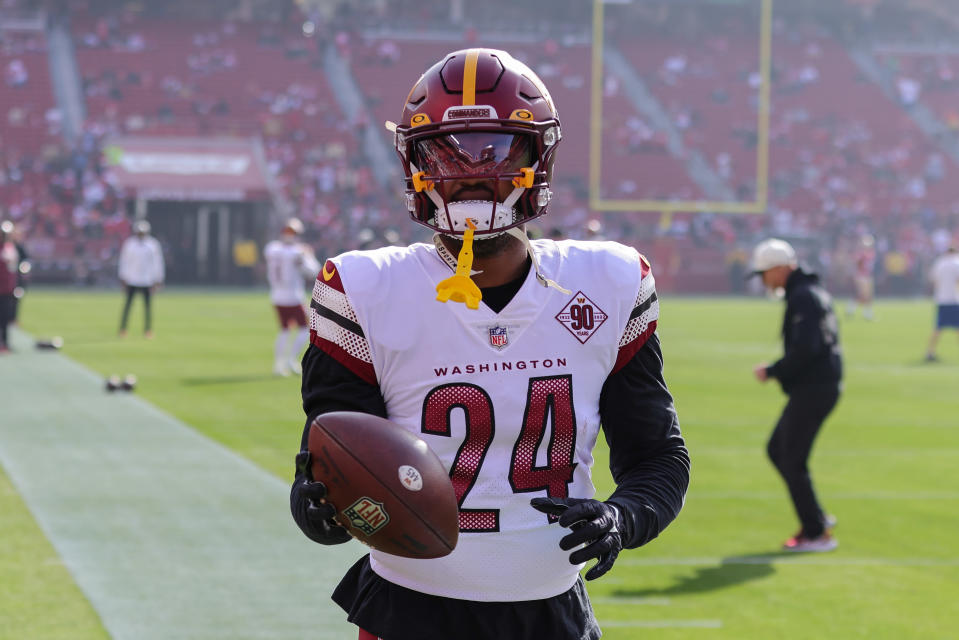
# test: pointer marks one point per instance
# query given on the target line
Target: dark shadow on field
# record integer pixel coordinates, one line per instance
(238, 379)
(730, 572)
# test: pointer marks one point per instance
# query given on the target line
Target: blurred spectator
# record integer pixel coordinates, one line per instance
(896, 264)
(736, 261)
(16, 74)
(865, 259)
(23, 271)
(245, 259)
(9, 262)
(945, 278)
(141, 272)
(909, 90)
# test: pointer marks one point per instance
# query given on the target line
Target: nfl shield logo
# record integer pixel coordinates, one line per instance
(367, 515)
(498, 337)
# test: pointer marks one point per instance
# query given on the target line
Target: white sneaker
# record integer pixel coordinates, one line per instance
(295, 367)
(280, 369)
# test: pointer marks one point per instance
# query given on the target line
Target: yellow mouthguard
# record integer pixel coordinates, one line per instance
(459, 287)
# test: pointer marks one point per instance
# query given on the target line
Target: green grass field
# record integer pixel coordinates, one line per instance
(885, 464)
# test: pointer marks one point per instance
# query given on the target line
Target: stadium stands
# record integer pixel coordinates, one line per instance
(26, 103)
(844, 156)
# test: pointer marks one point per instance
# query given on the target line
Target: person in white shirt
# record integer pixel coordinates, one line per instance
(290, 265)
(141, 272)
(945, 278)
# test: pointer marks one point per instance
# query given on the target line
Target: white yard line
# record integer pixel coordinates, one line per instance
(649, 602)
(169, 534)
(855, 452)
(661, 624)
(825, 560)
(839, 495)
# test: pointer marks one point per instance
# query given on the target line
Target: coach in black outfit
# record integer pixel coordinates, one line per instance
(810, 373)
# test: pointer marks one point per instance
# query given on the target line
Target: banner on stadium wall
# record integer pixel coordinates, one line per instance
(207, 169)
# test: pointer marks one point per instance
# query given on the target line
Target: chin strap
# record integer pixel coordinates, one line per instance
(520, 235)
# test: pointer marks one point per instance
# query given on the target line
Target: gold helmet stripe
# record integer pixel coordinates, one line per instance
(469, 77)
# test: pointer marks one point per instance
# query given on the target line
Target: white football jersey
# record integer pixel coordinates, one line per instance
(945, 279)
(509, 401)
(288, 268)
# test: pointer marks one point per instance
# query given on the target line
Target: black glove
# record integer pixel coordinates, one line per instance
(598, 525)
(318, 514)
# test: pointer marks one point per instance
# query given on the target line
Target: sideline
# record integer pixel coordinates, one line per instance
(168, 533)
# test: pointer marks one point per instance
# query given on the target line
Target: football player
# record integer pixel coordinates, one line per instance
(507, 356)
(865, 258)
(290, 264)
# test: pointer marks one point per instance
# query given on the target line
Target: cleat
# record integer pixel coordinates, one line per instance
(801, 544)
(280, 369)
(830, 521)
(295, 368)
(55, 343)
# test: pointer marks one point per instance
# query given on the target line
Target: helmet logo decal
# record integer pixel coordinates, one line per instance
(521, 114)
(419, 119)
(469, 77)
(461, 113)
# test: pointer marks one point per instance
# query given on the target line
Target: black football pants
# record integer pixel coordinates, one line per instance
(790, 445)
(131, 291)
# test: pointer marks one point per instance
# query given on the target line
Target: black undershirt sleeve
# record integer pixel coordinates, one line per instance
(328, 386)
(647, 455)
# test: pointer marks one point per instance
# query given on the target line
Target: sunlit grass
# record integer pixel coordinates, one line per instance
(885, 464)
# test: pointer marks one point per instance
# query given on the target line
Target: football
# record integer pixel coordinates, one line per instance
(388, 488)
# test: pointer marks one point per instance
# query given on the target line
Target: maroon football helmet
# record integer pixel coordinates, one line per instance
(477, 140)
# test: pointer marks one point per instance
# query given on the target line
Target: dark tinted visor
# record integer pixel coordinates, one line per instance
(473, 153)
